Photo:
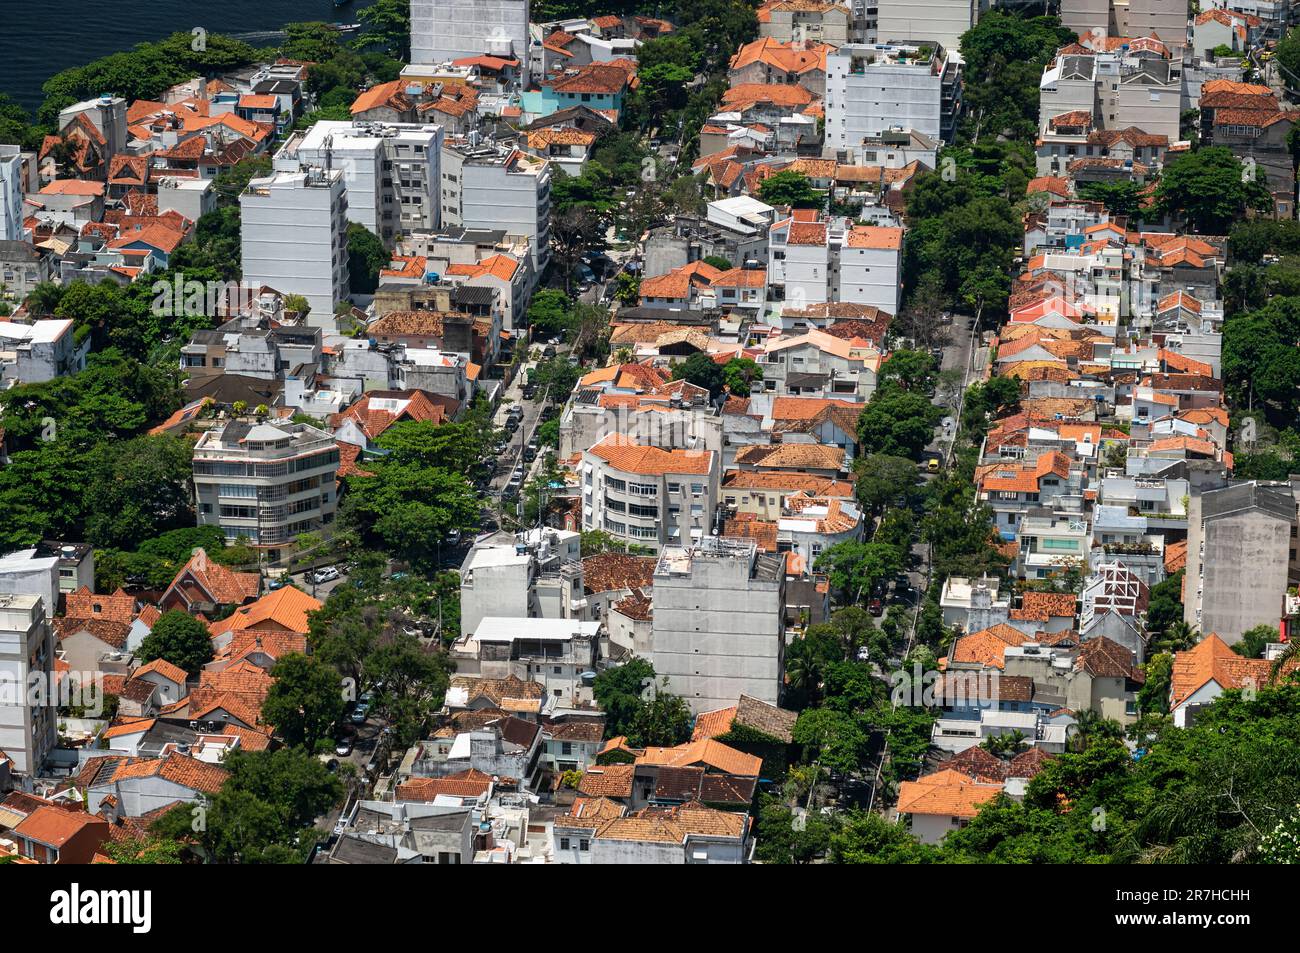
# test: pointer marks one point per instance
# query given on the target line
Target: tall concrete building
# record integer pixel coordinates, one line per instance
(1239, 548)
(916, 21)
(1163, 19)
(28, 716)
(484, 187)
(533, 575)
(11, 193)
(875, 89)
(391, 171)
(266, 483)
(443, 30)
(294, 238)
(718, 628)
(1086, 17)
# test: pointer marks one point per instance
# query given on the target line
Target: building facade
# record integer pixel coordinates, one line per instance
(294, 238)
(718, 628)
(266, 483)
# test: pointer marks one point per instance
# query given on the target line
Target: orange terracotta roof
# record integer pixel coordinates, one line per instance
(707, 753)
(1212, 660)
(630, 457)
(285, 608)
(945, 794)
(987, 646)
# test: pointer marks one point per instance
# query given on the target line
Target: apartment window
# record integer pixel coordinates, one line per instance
(584, 844)
(564, 843)
(674, 488)
(566, 747)
(642, 489)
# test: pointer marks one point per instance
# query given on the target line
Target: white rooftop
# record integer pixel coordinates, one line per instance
(501, 629)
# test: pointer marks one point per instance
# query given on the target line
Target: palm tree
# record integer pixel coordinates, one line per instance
(1090, 726)
(1179, 637)
(44, 298)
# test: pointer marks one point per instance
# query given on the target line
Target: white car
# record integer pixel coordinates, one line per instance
(328, 574)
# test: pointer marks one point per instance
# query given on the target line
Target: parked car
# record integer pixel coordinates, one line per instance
(530, 391)
(343, 748)
(530, 453)
(453, 537)
(359, 714)
(876, 607)
(933, 465)
(278, 582)
(328, 574)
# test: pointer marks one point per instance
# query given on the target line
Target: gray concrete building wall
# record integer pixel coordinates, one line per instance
(718, 629)
(1238, 552)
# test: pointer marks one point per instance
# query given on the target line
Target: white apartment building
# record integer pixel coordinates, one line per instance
(718, 629)
(294, 238)
(534, 575)
(391, 170)
(649, 496)
(1135, 87)
(40, 351)
(265, 482)
(443, 30)
(816, 262)
(11, 193)
(28, 732)
(916, 21)
(505, 190)
(555, 652)
(872, 89)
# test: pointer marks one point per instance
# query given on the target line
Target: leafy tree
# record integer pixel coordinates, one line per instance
(637, 706)
(414, 681)
(367, 256)
(740, 374)
(178, 638)
(790, 188)
(780, 840)
(304, 701)
(265, 811)
(855, 568)
(1153, 697)
(1255, 640)
(910, 370)
(834, 739)
(1209, 188)
(550, 313)
(663, 720)
(881, 480)
(1120, 198)
(1004, 58)
(897, 422)
(1165, 606)
(702, 371)
(408, 509)
(867, 838)
(620, 691)
(388, 25)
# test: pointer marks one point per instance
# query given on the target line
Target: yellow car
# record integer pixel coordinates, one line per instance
(933, 465)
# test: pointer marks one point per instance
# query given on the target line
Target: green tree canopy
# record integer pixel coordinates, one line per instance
(179, 638)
